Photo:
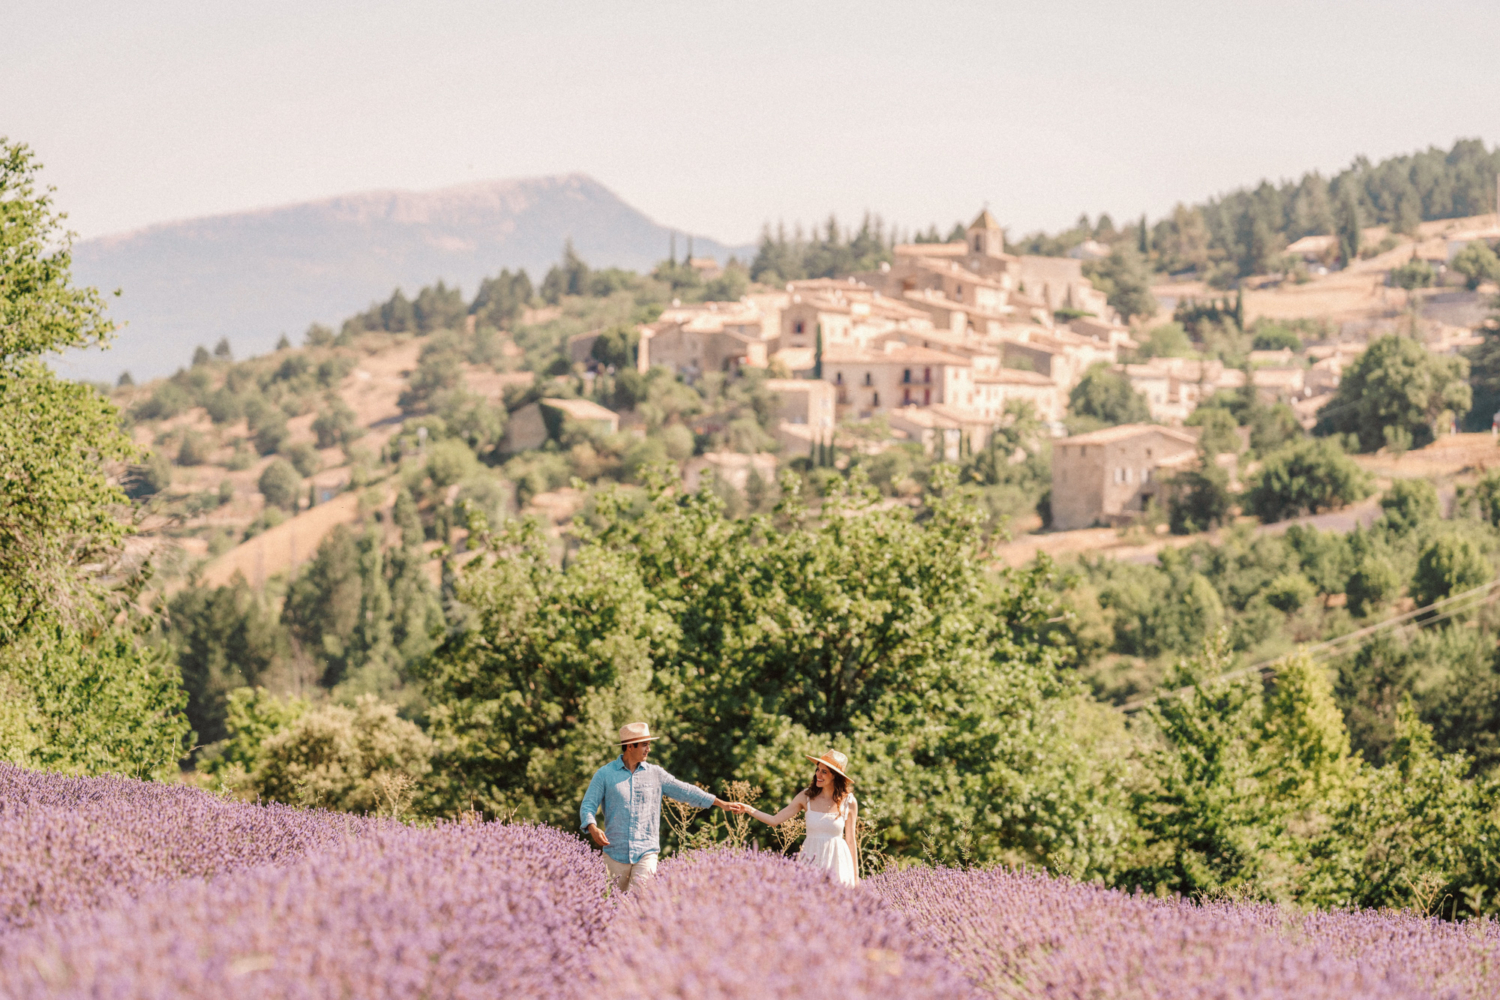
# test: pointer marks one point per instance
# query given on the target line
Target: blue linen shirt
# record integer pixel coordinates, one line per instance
(632, 806)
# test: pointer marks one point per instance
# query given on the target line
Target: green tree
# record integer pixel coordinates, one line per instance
(224, 638)
(1408, 505)
(1106, 396)
(280, 484)
(364, 759)
(1200, 499)
(1125, 279)
(1349, 225)
(1448, 565)
(1305, 477)
(84, 696)
(1396, 383)
(1477, 263)
(1373, 583)
(1415, 273)
(1220, 434)
(871, 630)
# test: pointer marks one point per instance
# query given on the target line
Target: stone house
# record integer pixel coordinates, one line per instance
(876, 380)
(710, 336)
(531, 425)
(846, 311)
(1108, 476)
(730, 467)
(994, 389)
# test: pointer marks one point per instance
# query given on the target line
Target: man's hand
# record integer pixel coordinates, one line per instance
(597, 836)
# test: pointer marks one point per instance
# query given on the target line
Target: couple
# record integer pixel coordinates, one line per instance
(630, 791)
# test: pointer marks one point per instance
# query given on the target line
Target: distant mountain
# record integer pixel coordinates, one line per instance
(252, 276)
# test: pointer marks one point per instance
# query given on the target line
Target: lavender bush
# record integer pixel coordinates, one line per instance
(114, 888)
(67, 843)
(730, 924)
(450, 911)
(1018, 934)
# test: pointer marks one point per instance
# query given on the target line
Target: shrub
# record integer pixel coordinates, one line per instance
(271, 434)
(167, 401)
(1415, 273)
(195, 449)
(304, 457)
(149, 477)
(364, 759)
(1374, 582)
(280, 484)
(335, 424)
(1307, 476)
(1448, 565)
(224, 407)
(450, 462)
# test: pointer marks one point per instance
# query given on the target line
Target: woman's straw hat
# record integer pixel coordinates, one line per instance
(636, 732)
(833, 760)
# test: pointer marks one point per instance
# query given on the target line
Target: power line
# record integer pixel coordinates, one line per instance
(1339, 645)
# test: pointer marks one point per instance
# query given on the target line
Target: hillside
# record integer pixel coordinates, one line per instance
(251, 276)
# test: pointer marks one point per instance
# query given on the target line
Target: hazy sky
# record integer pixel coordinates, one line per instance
(720, 117)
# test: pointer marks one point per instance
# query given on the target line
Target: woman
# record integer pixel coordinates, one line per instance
(832, 816)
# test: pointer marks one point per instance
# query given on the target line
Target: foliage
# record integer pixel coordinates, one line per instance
(1305, 477)
(1125, 279)
(1107, 396)
(92, 704)
(363, 759)
(280, 484)
(252, 715)
(1415, 273)
(750, 640)
(831, 252)
(1200, 499)
(224, 638)
(1450, 564)
(1169, 340)
(1396, 383)
(1477, 263)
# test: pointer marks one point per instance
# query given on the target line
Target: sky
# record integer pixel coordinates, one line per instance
(720, 118)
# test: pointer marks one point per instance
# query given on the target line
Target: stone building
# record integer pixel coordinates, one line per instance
(875, 380)
(708, 336)
(1107, 476)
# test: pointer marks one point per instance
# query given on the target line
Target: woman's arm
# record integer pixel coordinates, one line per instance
(791, 810)
(851, 833)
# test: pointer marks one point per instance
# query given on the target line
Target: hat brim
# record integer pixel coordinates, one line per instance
(831, 767)
(643, 739)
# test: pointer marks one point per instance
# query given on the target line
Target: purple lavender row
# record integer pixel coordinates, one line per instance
(735, 924)
(67, 843)
(1018, 934)
(400, 912)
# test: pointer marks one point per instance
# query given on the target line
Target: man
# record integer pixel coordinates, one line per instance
(630, 791)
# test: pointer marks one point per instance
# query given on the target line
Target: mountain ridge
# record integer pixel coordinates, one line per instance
(253, 275)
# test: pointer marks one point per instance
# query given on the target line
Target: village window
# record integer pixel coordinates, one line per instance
(906, 375)
(838, 378)
(905, 397)
(868, 379)
(958, 290)
(799, 327)
(926, 374)
(926, 397)
(874, 399)
(1145, 476)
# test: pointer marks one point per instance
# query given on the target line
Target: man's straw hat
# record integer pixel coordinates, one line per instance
(833, 760)
(636, 732)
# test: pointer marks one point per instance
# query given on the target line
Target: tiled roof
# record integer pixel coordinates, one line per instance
(1125, 432)
(1015, 376)
(581, 409)
(903, 354)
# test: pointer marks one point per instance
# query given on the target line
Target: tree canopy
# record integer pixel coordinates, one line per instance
(1397, 387)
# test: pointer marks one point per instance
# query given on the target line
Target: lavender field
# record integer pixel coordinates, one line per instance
(116, 888)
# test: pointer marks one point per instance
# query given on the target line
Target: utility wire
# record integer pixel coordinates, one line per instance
(1339, 645)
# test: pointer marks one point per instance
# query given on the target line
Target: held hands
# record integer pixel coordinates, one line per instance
(739, 808)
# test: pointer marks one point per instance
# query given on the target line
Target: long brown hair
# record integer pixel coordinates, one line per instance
(840, 787)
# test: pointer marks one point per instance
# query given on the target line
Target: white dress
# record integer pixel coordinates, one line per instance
(825, 845)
